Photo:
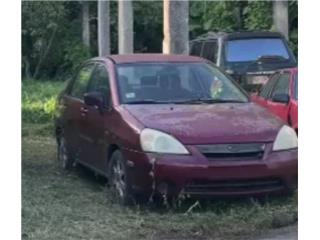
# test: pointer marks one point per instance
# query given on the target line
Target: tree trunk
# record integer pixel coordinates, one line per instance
(175, 27)
(103, 28)
(125, 26)
(85, 24)
(45, 53)
(280, 17)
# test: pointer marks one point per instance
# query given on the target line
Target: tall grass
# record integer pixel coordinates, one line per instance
(39, 100)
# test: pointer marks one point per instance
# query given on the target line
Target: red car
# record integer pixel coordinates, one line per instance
(280, 96)
(172, 124)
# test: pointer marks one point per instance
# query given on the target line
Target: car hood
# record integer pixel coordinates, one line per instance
(209, 123)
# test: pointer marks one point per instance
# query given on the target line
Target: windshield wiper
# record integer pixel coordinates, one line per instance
(147, 101)
(187, 101)
(209, 100)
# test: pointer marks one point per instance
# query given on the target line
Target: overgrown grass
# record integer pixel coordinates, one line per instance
(39, 100)
(75, 205)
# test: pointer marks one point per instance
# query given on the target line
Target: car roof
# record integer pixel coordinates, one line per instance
(236, 35)
(147, 57)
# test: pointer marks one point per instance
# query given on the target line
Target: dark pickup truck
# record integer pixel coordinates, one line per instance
(249, 57)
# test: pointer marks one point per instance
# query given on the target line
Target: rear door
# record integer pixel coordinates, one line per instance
(282, 86)
(73, 104)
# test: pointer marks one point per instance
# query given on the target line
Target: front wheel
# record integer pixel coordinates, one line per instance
(118, 178)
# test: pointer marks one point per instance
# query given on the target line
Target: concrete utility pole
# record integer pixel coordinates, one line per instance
(103, 28)
(125, 26)
(280, 17)
(85, 23)
(175, 27)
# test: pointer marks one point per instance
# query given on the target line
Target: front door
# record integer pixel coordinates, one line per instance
(264, 94)
(94, 124)
(73, 104)
(281, 87)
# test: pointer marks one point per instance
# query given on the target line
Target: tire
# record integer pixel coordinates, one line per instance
(121, 191)
(64, 159)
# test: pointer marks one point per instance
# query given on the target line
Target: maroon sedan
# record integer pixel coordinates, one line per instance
(172, 125)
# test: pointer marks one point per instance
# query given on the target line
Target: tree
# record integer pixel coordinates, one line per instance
(103, 28)
(280, 17)
(215, 16)
(258, 15)
(85, 23)
(176, 27)
(42, 22)
(125, 26)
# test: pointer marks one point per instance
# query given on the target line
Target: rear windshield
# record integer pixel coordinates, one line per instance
(172, 82)
(246, 50)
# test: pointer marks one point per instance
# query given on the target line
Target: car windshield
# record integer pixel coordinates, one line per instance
(246, 50)
(143, 83)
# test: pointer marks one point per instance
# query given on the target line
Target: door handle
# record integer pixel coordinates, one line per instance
(83, 111)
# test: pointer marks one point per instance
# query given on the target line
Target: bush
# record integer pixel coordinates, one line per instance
(39, 100)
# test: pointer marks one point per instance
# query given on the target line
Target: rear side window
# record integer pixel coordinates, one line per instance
(282, 85)
(80, 84)
(196, 48)
(268, 87)
(210, 51)
(100, 81)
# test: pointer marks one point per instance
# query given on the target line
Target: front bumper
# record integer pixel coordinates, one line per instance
(196, 175)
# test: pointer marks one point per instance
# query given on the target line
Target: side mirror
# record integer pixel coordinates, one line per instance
(94, 99)
(281, 98)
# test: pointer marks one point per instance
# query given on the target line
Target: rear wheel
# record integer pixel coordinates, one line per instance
(64, 158)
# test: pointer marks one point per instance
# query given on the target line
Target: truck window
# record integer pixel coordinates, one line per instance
(196, 48)
(246, 50)
(210, 51)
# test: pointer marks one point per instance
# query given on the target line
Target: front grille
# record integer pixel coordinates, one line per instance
(236, 152)
(233, 186)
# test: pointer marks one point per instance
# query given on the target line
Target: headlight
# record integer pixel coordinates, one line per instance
(158, 142)
(286, 139)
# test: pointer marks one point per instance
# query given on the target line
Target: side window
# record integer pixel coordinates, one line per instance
(210, 51)
(100, 81)
(265, 92)
(196, 49)
(295, 87)
(282, 85)
(81, 82)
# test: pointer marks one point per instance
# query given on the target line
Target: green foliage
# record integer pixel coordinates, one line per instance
(39, 100)
(52, 35)
(51, 39)
(75, 55)
(294, 41)
(148, 26)
(258, 15)
(293, 26)
(212, 16)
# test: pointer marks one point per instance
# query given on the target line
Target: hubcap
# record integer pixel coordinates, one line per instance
(63, 157)
(118, 178)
